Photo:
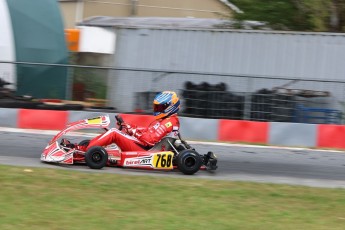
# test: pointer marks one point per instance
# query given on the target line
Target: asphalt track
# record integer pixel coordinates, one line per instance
(295, 166)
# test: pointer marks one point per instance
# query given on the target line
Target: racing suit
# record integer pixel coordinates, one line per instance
(137, 138)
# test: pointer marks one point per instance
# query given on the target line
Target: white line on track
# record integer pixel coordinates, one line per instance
(89, 134)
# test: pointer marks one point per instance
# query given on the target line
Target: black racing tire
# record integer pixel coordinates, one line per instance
(102, 107)
(96, 157)
(11, 103)
(84, 142)
(31, 105)
(51, 107)
(73, 106)
(189, 161)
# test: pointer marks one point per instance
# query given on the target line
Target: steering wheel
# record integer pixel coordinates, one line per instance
(119, 121)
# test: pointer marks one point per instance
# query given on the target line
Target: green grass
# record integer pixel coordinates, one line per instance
(38, 198)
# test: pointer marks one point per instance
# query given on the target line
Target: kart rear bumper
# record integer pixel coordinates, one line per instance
(210, 161)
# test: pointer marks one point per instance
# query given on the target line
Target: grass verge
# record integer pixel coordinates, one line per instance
(38, 198)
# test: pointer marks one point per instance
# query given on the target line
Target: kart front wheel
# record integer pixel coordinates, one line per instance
(96, 157)
(189, 161)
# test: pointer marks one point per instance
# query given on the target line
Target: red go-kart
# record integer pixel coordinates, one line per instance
(170, 153)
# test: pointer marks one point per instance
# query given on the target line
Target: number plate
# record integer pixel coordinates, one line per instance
(163, 160)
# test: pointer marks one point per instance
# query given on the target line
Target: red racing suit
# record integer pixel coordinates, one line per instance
(137, 138)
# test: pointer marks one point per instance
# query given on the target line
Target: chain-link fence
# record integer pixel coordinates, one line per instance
(203, 95)
(280, 104)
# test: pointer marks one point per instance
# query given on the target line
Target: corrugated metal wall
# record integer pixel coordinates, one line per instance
(254, 53)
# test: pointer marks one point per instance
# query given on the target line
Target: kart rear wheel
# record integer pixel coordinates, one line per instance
(96, 157)
(189, 161)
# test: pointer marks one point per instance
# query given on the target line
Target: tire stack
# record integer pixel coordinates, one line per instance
(261, 105)
(283, 107)
(214, 101)
(211, 101)
(9, 99)
(269, 105)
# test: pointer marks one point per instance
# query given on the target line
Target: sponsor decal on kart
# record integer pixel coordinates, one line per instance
(94, 121)
(138, 161)
(102, 121)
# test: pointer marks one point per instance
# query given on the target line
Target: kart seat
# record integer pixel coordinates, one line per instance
(164, 144)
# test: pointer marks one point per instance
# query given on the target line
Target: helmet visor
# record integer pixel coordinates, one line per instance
(160, 107)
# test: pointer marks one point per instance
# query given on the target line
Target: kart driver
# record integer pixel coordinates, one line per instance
(165, 107)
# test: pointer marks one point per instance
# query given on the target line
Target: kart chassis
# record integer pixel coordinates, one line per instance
(172, 152)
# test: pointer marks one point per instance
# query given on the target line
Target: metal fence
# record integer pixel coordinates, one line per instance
(278, 104)
(203, 95)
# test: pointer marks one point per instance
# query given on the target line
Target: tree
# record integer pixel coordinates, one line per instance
(337, 15)
(300, 15)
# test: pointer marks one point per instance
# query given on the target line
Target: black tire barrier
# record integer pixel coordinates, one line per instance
(64, 107)
(74, 106)
(102, 107)
(211, 101)
(10, 103)
(267, 105)
(214, 101)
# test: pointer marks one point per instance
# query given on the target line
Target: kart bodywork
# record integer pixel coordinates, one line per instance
(170, 153)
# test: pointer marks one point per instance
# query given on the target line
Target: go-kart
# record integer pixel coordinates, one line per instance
(172, 152)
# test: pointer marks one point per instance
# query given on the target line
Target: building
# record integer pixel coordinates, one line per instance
(75, 11)
(163, 53)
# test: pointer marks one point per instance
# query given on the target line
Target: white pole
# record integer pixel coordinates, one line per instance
(79, 12)
(134, 11)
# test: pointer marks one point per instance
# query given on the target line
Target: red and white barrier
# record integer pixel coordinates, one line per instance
(270, 133)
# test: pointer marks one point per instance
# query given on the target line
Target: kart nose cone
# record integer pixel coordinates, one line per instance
(52, 153)
(44, 153)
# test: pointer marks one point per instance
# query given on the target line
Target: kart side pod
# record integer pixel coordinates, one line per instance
(188, 161)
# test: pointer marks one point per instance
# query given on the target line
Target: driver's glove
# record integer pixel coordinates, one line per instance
(128, 128)
(134, 132)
